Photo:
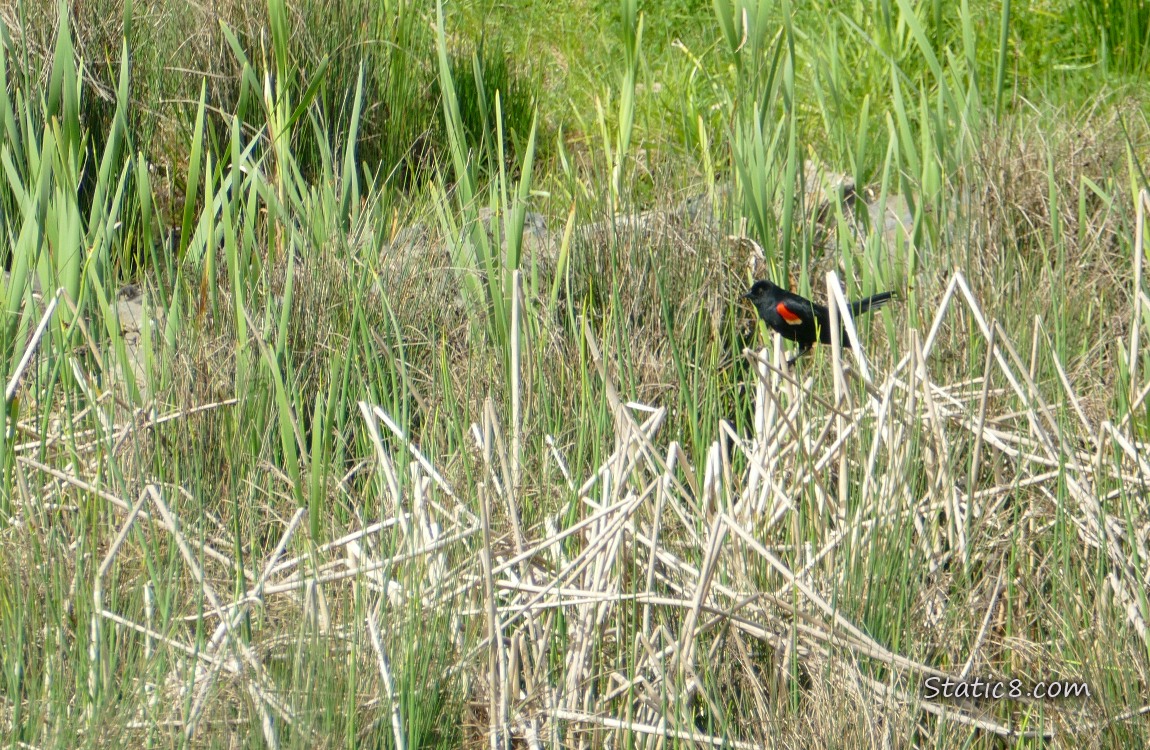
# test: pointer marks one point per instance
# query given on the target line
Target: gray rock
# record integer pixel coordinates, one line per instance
(131, 313)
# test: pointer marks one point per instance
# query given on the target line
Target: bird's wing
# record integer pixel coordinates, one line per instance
(788, 314)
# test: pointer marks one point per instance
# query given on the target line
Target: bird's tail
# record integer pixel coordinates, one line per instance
(858, 307)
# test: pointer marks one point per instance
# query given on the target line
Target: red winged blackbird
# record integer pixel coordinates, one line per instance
(798, 319)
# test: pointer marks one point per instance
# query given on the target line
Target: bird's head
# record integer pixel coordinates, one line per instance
(760, 291)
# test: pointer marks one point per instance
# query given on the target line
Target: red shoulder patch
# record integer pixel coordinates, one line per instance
(786, 314)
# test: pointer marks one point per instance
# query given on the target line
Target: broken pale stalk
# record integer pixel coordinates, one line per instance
(1135, 316)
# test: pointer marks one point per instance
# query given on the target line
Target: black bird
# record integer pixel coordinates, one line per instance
(798, 319)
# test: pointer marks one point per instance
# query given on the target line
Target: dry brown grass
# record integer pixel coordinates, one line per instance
(1042, 242)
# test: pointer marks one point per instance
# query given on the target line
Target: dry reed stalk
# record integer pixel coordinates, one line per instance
(837, 314)
(976, 451)
(31, 347)
(1135, 314)
(243, 652)
(122, 505)
(98, 595)
(496, 669)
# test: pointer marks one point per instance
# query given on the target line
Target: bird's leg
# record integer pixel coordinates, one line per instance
(803, 349)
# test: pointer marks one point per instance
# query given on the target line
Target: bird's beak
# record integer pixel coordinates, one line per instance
(746, 295)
